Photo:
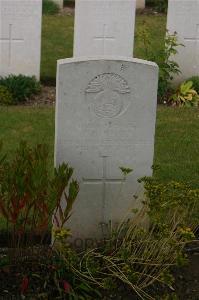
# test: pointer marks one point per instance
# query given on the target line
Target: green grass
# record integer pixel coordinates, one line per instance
(35, 125)
(57, 40)
(177, 130)
(57, 43)
(156, 25)
(176, 146)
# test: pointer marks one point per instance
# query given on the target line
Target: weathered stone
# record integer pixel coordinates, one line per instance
(105, 119)
(20, 37)
(104, 27)
(183, 18)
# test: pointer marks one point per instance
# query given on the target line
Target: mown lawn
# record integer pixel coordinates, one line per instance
(34, 125)
(176, 145)
(177, 130)
(57, 39)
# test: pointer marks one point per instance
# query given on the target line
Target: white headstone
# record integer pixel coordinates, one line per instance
(105, 119)
(20, 37)
(183, 18)
(104, 27)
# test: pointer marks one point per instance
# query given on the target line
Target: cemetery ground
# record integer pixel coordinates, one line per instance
(176, 154)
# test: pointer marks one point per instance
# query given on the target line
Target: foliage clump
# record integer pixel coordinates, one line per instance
(195, 81)
(29, 194)
(185, 95)
(165, 59)
(5, 96)
(21, 87)
(159, 5)
(129, 255)
(135, 256)
(49, 7)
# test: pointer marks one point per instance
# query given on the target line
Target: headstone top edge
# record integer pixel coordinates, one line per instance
(106, 58)
(28, 1)
(133, 1)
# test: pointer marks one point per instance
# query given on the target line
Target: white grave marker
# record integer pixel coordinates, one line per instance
(183, 18)
(104, 27)
(105, 119)
(20, 37)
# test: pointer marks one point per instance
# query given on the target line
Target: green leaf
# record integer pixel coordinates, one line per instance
(126, 171)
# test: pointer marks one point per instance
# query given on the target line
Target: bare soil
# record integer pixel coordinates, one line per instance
(46, 97)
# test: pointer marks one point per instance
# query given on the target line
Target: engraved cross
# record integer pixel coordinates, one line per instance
(10, 40)
(104, 181)
(104, 38)
(195, 40)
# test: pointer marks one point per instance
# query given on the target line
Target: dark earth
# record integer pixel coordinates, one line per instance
(186, 286)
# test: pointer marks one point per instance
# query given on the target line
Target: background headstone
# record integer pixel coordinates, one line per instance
(105, 119)
(183, 18)
(20, 37)
(104, 27)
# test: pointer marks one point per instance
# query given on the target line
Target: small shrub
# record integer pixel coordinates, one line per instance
(136, 257)
(159, 5)
(21, 87)
(167, 198)
(5, 96)
(164, 59)
(29, 194)
(195, 80)
(185, 96)
(49, 7)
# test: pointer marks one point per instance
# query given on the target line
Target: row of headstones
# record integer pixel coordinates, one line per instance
(101, 28)
(105, 106)
(139, 3)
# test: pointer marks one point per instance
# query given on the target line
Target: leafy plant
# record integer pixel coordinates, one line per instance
(28, 194)
(49, 7)
(5, 96)
(159, 5)
(167, 198)
(21, 87)
(195, 80)
(139, 257)
(164, 59)
(133, 256)
(185, 95)
(168, 67)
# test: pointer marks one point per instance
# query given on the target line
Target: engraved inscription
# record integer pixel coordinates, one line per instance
(109, 90)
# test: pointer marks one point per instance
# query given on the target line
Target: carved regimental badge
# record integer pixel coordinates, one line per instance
(111, 94)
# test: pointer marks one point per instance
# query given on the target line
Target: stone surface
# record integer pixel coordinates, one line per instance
(20, 37)
(104, 27)
(183, 17)
(140, 4)
(105, 119)
(60, 3)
